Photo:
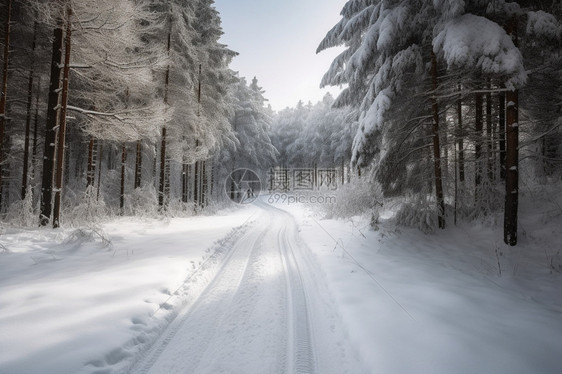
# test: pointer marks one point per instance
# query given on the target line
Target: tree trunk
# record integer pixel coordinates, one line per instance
(154, 164)
(460, 137)
(50, 129)
(196, 179)
(342, 171)
(512, 157)
(512, 166)
(35, 134)
(100, 164)
(184, 176)
(212, 184)
(138, 165)
(501, 133)
(62, 121)
(489, 134)
(196, 183)
(478, 127)
(4, 93)
(122, 190)
(162, 183)
(436, 147)
(204, 184)
(91, 171)
(28, 115)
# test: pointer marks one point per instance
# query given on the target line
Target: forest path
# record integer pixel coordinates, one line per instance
(267, 311)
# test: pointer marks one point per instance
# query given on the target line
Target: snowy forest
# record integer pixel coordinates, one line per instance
(467, 89)
(121, 108)
(107, 112)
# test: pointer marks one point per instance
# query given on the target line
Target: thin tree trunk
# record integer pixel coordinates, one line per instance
(67, 158)
(196, 184)
(512, 157)
(212, 184)
(188, 182)
(62, 121)
(184, 181)
(162, 183)
(90, 174)
(456, 190)
(512, 166)
(28, 115)
(478, 127)
(204, 184)
(342, 171)
(436, 148)
(100, 165)
(122, 190)
(196, 179)
(138, 164)
(501, 134)
(50, 130)
(154, 164)
(460, 137)
(489, 134)
(35, 134)
(4, 93)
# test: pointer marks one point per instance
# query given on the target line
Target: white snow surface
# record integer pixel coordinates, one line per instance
(268, 289)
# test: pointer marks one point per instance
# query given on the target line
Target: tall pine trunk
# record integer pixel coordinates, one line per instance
(489, 135)
(62, 122)
(478, 127)
(512, 166)
(4, 93)
(50, 129)
(184, 181)
(436, 147)
(100, 165)
(501, 133)
(162, 183)
(28, 115)
(196, 179)
(91, 171)
(122, 189)
(204, 184)
(460, 137)
(138, 164)
(512, 156)
(35, 132)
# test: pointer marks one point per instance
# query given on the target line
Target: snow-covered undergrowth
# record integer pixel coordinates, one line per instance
(352, 199)
(90, 300)
(453, 301)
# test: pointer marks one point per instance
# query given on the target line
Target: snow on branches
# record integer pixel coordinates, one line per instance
(474, 42)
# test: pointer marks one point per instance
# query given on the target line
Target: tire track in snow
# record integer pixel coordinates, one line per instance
(227, 272)
(260, 314)
(300, 346)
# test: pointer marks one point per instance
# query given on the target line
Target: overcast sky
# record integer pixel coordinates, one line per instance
(277, 43)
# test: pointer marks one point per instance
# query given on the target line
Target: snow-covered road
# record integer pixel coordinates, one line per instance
(266, 311)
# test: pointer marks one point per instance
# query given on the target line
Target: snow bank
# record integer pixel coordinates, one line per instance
(416, 303)
(83, 301)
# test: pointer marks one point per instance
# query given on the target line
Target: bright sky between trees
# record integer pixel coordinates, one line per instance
(277, 43)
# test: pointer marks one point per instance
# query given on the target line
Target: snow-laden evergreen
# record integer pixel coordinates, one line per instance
(413, 107)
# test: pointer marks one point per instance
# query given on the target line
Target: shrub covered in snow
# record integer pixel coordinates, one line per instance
(357, 197)
(419, 214)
